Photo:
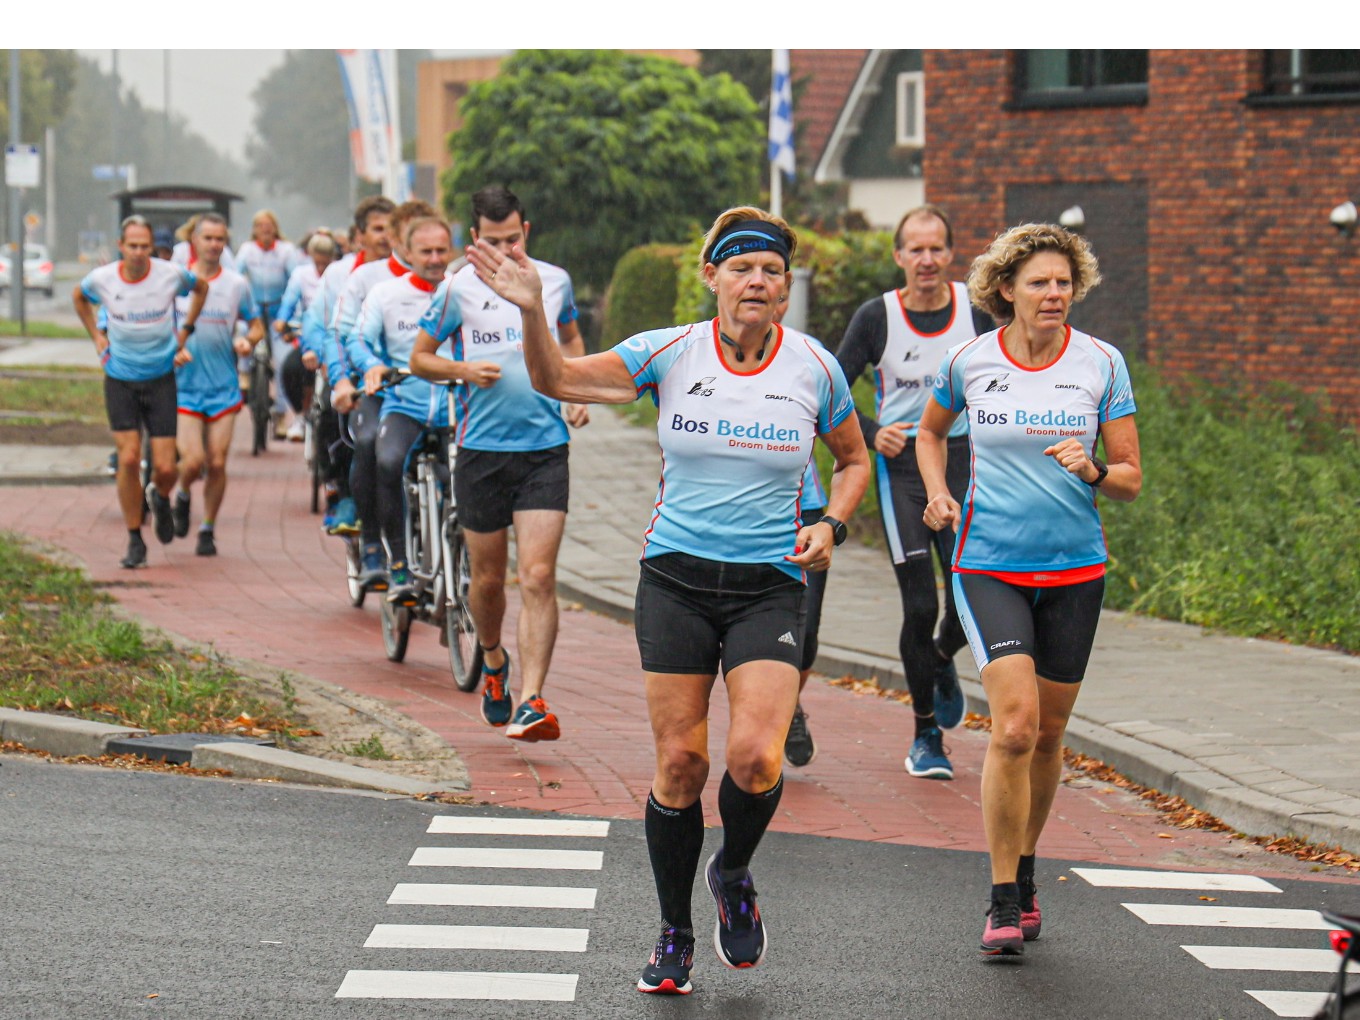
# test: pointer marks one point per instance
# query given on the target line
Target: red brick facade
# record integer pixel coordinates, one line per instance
(1236, 275)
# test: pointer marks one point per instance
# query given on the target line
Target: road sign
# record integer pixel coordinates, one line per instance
(109, 172)
(23, 166)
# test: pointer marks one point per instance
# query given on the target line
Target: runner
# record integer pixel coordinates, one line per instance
(371, 218)
(903, 334)
(387, 328)
(344, 352)
(741, 401)
(300, 366)
(209, 390)
(267, 260)
(512, 459)
(139, 349)
(1029, 567)
(182, 254)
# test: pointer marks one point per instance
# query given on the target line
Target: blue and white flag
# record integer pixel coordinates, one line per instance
(369, 78)
(781, 115)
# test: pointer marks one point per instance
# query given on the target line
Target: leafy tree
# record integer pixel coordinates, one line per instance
(750, 67)
(607, 150)
(301, 142)
(46, 80)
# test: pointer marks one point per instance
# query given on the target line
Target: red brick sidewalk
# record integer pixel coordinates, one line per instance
(275, 594)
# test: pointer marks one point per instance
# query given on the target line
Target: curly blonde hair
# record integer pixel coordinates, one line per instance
(1000, 263)
(736, 215)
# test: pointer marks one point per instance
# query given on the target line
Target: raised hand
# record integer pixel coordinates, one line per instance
(514, 277)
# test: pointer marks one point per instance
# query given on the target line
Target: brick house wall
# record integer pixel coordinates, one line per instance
(1233, 272)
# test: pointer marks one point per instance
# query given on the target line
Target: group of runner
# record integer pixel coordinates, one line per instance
(735, 555)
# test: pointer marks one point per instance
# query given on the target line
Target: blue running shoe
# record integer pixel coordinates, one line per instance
(346, 518)
(373, 569)
(948, 694)
(404, 591)
(497, 705)
(668, 970)
(534, 721)
(738, 933)
(926, 759)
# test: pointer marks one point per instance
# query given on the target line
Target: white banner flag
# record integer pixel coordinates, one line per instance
(781, 115)
(370, 82)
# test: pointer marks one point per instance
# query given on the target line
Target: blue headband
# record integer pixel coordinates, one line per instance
(748, 236)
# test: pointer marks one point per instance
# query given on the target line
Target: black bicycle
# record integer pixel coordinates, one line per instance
(313, 452)
(437, 559)
(258, 396)
(1343, 1004)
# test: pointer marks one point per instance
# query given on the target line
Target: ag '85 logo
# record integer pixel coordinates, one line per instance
(703, 388)
(998, 384)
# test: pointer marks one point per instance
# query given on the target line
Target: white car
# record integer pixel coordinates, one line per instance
(39, 270)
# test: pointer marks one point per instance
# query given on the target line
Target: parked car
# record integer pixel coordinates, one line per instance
(39, 270)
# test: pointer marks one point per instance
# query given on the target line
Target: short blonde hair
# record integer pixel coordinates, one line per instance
(1012, 248)
(267, 214)
(736, 215)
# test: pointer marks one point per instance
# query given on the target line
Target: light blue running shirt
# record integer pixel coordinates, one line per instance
(208, 385)
(735, 446)
(139, 317)
(1025, 513)
(510, 415)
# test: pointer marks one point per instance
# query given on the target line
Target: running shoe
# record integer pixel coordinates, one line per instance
(926, 759)
(181, 512)
(738, 933)
(206, 545)
(948, 694)
(668, 970)
(1002, 935)
(297, 431)
(346, 518)
(533, 721)
(799, 750)
(373, 569)
(403, 590)
(136, 552)
(162, 513)
(497, 705)
(1029, 911)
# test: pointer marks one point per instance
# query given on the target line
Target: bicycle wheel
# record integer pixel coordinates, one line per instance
(465, 651)
(396, 629)
(260, 404)
(353, 565)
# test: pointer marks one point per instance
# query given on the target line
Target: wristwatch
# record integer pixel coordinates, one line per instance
(1102, 469)
(838, 532)
(188, 328)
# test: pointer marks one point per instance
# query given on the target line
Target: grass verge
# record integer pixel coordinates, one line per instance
(63, 650)
(43, 330)
(53, 392)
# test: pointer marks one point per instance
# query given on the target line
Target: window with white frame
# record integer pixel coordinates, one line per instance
(911, 109)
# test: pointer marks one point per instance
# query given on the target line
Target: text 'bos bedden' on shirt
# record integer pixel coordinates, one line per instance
(1025, 512)
(905, 376)
(388, 325)
(509, 415)
(139, 317)
(734, 445)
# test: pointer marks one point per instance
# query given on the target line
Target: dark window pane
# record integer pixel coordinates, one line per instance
(1051, 69)
(1119, 67)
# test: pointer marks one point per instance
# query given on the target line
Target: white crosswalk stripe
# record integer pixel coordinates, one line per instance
(1264, 959)
(486, 985)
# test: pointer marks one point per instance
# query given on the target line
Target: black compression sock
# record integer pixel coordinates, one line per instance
(675, 841)
(925, 722)
(1005, 892)
(745, 817)
(1025, 871)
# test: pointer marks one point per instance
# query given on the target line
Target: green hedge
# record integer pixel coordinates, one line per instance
(641, 293)
(1249, 516)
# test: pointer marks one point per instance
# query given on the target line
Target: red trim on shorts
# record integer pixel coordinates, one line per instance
(1043, 578)
(216, 417)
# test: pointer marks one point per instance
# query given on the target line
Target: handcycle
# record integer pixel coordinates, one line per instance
(1343, 1004)
(436, 554)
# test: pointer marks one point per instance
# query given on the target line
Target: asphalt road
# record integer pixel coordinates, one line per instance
(133, 894)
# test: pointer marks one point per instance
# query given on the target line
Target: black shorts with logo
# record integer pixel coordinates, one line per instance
(693, 615)
(1055, 626)
(490, 485)
(149, 402)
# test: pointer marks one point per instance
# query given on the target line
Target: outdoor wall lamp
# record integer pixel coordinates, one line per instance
(1343, 218)
(1073, 218)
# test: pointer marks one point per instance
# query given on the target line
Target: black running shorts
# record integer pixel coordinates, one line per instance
(1056, 626)
(491, 485)
(694, 615)
(131, 405)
